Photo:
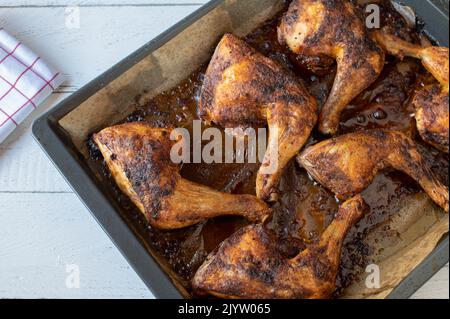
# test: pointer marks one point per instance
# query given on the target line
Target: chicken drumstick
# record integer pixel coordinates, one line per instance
(347, 165)
(332, 28)
(431, 101)
(244, 88)
(138, 157)
(248, 264)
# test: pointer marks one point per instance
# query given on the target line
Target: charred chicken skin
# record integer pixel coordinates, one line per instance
(347, 165)
(244, 88)
(432, 115)
(332, 28)
(431, 101)
(248, 264)
(138, 157)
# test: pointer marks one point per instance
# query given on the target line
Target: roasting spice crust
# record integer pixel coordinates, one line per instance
(347, 164)
(138, 157)
(332, 28)
(243, 88)
(248, 264)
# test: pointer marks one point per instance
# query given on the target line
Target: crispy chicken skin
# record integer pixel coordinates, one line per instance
(347, 165)
(248, 264)
(244, 88)
(430, 101)
(432, 115)
(332, 28)
(138, 157)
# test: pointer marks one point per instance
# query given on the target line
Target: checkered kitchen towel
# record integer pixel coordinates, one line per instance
(25, 82)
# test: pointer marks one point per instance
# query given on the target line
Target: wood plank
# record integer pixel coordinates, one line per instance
(82, 54)
(23, 165)
(43, 233)
(436, 288)
(22, 3)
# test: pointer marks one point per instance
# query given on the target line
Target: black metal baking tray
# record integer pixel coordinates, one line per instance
(55, 143)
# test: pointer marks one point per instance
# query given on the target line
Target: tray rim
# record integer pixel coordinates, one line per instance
(51, 138)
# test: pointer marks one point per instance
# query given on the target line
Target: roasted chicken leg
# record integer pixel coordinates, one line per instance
(431, 106)
(138, 157)
(248, 264)
(430, 101)
(434, 59)
(244, 88)
(347, 165)
(332, 28)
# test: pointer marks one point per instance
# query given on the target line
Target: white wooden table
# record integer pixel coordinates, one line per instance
(44, 228)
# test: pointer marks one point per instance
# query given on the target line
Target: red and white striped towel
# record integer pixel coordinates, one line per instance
(25, 82)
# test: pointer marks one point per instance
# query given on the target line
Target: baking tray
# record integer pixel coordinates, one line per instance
(65, 156)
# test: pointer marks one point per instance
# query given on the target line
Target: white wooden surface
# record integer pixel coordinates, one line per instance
(43, 226)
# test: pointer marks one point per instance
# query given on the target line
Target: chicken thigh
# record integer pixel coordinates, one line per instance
(431, 106)
(434, 59)
(244, 88)
(332, 28)
(248, 264)
(138, 157)
(347, 165)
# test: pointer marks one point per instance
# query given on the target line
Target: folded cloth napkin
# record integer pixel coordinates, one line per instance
(25, 82)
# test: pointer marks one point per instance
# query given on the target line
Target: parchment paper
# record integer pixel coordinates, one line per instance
(398, 247)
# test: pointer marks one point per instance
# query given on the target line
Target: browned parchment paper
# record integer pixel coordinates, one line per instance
(398, 247)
